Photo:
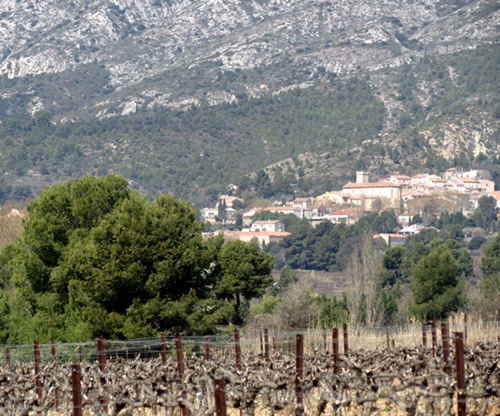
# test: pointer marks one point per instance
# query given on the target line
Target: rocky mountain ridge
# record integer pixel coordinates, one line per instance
(432, 64)
(141, 43)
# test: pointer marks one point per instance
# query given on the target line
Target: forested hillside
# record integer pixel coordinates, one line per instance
(322, 134)
(207, 147)
(252, 97)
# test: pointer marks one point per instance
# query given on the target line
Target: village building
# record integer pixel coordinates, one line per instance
(486, 186)
(405, 218)
(402, 180)
(209, 215)
(297, 211)
(415, 229)
(388, 193)
(271, 225)
(392, 240)
(422, 182)
(452, 173)
(303, 202)
(229, 200)
(347, 216)
(262, 238)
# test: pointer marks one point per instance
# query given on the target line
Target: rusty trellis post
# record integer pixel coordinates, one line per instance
(424, 334)
(54, 360)
(38, 380)
(445, 336)
(324, 338)
(180, 367)
(346, 340)
(163, 349)
(266, 344)
(180, 356)
(465, 328)
(237, 348)
(299, 367)
(434, 337)
(220, 398)
(101, 353)
(7, 356)
(387, 338)
(53, 351)
(335, 347)
(460, 368)
(77, 390)
(206, 348)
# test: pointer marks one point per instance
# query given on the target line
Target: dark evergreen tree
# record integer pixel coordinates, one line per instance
(246, 273)
(490, 263)
(485, 215)
(437, 290)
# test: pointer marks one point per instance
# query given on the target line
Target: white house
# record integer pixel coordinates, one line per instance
(415, 229)
(297, 211)
(402, 180)
(346, 216)
(209, 214)
(271, 225)
(262, 237)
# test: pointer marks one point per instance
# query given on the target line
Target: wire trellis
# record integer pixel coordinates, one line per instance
(374, 377)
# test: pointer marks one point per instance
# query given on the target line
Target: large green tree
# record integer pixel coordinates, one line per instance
(490, 263)
(97, 258)
(145, 255)
(437, 289)
(62, 210)
(62, 214)
(246, 273)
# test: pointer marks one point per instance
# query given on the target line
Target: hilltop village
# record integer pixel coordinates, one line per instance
(408, 196)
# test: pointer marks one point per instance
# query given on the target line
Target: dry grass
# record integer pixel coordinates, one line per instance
(371, 339)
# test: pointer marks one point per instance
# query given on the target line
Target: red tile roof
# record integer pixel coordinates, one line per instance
(371, 185)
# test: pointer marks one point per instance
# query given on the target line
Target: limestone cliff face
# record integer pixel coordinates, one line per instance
(139, 39)
(110, 58)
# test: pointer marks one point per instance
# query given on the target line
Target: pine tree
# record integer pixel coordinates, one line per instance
(437, 290)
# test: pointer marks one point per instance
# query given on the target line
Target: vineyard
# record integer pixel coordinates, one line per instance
(435, 369)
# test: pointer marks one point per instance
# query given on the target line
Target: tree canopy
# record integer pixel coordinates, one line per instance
(490, 263)
(246, 272)
(97, 258)
(437, 290)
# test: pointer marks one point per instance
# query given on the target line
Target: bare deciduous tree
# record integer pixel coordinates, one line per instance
(298, 309)
(364, 273)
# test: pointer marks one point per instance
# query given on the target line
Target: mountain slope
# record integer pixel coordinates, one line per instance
(385, 85)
